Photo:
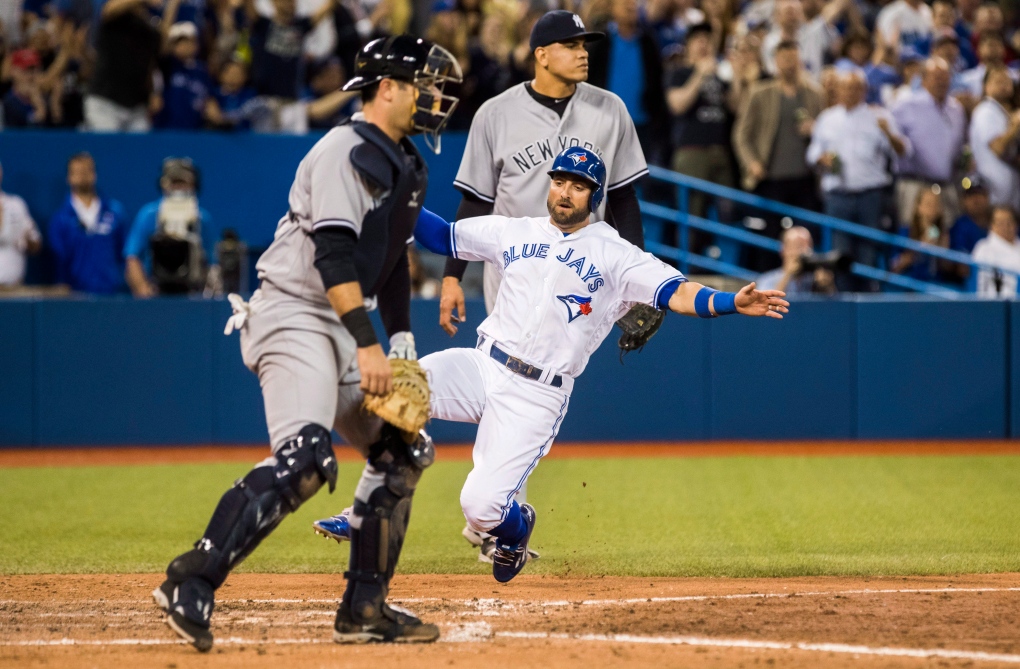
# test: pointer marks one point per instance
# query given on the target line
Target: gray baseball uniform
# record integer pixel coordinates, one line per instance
(305, 359)
(514, 138)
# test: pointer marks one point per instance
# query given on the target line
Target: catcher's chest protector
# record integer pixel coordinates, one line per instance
(399, 174)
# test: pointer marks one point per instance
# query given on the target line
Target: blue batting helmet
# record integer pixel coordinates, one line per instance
(586, 164)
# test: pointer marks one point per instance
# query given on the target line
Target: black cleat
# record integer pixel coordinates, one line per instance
(190, 611)
(164, 594)
(198, 636)
(393, 625)
(507, 561)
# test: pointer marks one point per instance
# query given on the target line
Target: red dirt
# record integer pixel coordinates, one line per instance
(146, 455)
(290, 625)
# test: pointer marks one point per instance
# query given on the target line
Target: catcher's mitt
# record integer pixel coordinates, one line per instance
(638, 325)
(407, 406)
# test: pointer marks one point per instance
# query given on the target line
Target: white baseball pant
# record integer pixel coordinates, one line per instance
(517, 418)
(492, 278)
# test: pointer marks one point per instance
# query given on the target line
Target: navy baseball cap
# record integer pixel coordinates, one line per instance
(560, 26)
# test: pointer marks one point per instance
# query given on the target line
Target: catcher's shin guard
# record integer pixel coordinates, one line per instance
(245, 515)
(382, 508)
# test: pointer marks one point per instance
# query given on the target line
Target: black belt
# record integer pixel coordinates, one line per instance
(518, 366)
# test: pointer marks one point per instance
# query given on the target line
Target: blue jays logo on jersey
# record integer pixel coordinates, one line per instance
(577, 306)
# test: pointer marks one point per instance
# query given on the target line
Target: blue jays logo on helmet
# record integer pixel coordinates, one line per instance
(577, 306)
(586, 164)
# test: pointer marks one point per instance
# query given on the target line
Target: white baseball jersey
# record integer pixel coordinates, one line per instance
(561, 294)
(514, 139)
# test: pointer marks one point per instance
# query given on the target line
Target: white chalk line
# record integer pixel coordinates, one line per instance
(772, 645)
(771, 595)
(476, 632)
(228, 641)
(494, 602)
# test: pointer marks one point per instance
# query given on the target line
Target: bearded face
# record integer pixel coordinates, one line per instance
(568, 201)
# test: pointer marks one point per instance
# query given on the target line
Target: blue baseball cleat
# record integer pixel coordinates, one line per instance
(507, 561)
(337, 528)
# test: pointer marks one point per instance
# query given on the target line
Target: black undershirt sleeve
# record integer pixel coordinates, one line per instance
(623, 213)
(334, 255)
(395, 299)
(470, 206)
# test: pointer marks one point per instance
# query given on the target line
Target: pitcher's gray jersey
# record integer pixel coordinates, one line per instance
(514, 138)
(327, 192)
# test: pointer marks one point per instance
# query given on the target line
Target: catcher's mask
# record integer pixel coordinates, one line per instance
(429, 67)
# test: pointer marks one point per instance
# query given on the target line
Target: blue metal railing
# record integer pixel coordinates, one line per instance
(828, 224)
(760, 241)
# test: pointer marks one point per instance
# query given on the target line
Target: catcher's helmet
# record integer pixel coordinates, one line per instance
(586, 164)
(417, 61)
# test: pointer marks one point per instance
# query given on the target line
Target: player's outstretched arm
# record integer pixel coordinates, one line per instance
(694, 299)
(433, 232)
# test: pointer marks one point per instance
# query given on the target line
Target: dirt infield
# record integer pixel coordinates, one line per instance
(147, 455)
(285, 620)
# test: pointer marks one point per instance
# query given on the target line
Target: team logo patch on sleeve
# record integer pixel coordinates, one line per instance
(576, 306)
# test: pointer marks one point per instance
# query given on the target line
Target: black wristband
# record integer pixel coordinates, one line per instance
(358, 324)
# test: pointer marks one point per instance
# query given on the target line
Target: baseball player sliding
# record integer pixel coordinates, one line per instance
(306, 333)
(513, 139)
(565, 281)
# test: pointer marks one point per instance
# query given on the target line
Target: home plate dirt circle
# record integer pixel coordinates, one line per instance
(285, 620)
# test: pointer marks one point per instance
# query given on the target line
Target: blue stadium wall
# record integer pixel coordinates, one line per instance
(245, 178)
(118, 371)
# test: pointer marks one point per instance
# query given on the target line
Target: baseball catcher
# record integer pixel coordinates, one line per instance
(340, 249)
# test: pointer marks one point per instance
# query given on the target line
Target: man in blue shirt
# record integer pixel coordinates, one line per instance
(87, 234)
(628, 64)
(170, 236)
(186, 82)
(972, 226)
(233, 102)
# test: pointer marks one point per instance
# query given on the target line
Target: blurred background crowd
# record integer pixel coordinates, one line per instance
(901, 116)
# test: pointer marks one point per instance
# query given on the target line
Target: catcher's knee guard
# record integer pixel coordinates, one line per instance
(382, 508)
(251, 510)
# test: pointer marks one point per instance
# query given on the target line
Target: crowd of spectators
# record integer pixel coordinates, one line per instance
(875, 112)
(96, 248)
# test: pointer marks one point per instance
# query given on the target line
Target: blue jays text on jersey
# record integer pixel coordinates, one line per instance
(586, 270)
(539, 153)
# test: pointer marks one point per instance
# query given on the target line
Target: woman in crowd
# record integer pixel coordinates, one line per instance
(925, 226)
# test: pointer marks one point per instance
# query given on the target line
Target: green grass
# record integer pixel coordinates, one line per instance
(653, 517)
